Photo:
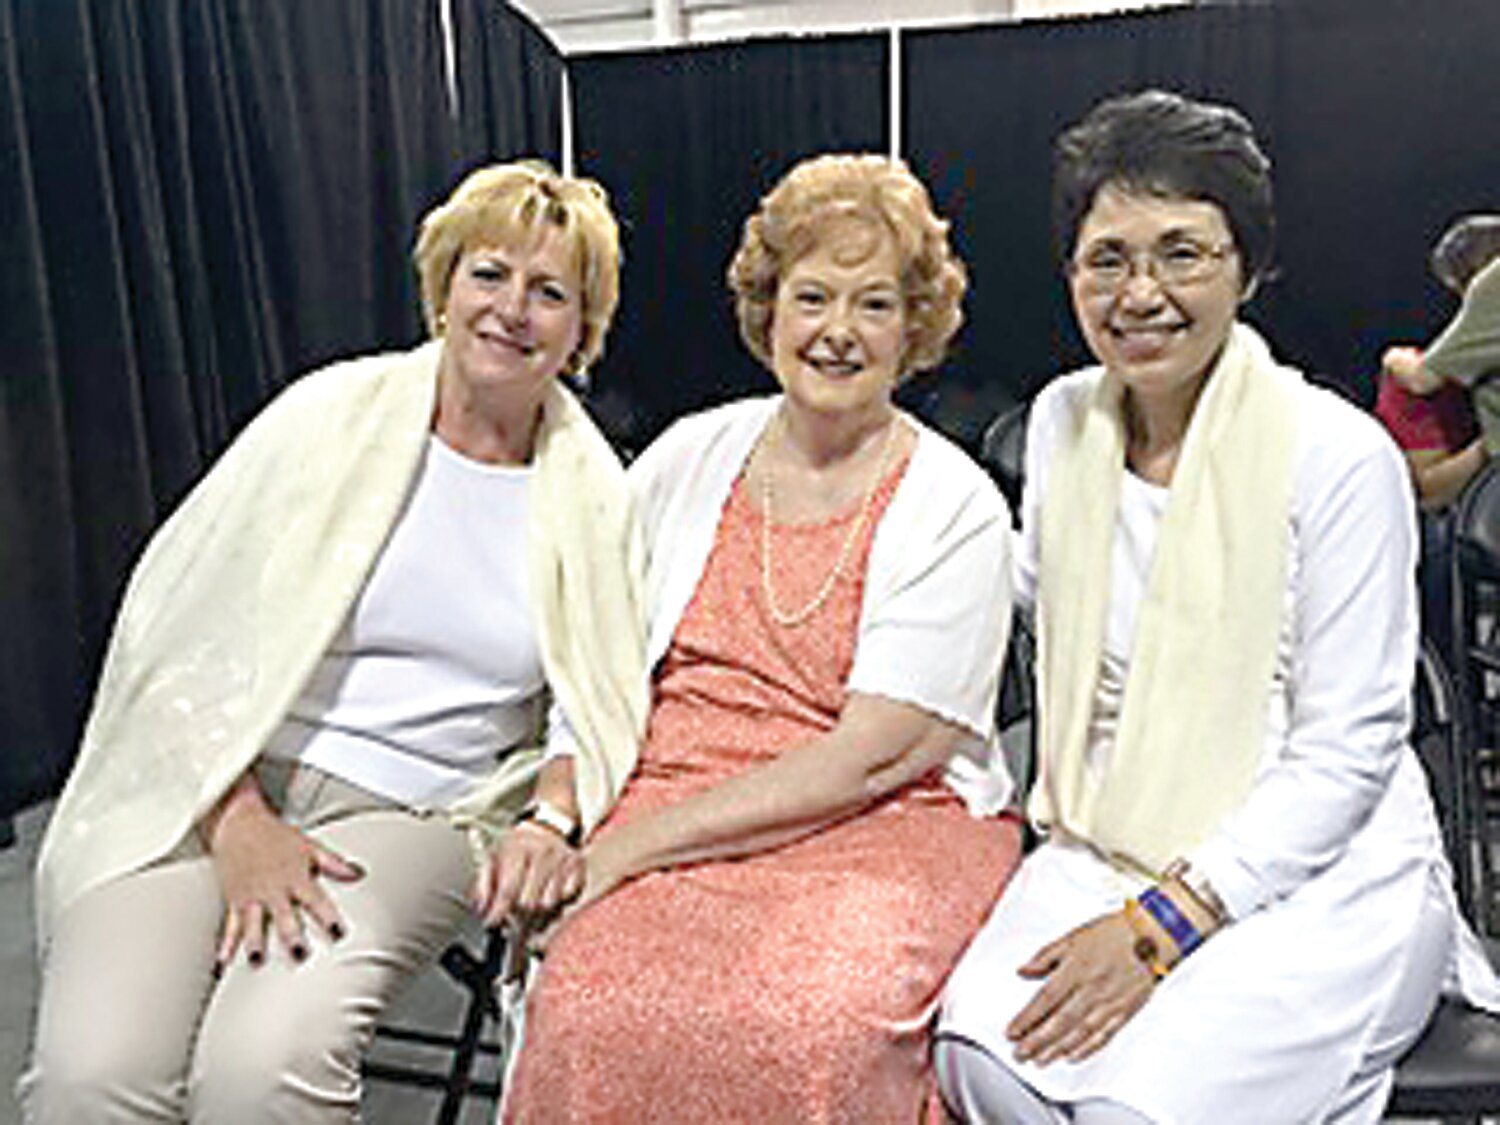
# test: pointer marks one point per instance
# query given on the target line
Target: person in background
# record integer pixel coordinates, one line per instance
(306, 757)
(810, 838)
(1424, 397)
(1432, 418)
(1240, 910)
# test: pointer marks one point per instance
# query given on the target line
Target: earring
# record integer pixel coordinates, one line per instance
(440, 325)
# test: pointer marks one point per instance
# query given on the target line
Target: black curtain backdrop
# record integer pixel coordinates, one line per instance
(687, 141)
(202, 198)
(509, 85)
(1372, 112)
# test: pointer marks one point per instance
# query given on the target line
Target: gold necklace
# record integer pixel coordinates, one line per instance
(792, 620)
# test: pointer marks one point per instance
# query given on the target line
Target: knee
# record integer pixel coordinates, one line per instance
(976, 1086)
(293, 1069)
(101, 1078)
(947, 1063)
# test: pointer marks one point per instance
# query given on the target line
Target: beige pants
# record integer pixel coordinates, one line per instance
(133, 1027)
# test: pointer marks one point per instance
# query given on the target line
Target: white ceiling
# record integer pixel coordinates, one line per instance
(594, 25)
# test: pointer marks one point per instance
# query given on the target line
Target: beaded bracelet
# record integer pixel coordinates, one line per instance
(1175, 922)
(1145, 947)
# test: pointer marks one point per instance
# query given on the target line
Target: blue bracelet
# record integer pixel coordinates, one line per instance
(1178, 926)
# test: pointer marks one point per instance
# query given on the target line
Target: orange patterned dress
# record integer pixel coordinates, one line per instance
(795, 985)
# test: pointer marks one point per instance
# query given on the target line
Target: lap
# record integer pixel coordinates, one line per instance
(801, 978)
(145, 942)
(1323, 974)
(397, 918)
(874, 908)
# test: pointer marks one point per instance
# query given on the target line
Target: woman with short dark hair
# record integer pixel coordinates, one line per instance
(1240, 910)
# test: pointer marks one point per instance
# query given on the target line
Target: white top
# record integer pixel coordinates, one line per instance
(1344, 915)
(239, 593)
(435, 673)
(1336, 731)
(936, 611)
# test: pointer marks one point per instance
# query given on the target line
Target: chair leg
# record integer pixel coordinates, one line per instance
(479, 978)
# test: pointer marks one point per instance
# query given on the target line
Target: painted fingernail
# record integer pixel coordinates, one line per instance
(218, 970)
(255, 957)
(299, 952)
(358, 869)
(336, 932)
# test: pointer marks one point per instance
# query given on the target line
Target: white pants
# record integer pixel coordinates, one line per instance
(133, 1026)
(980, 1089)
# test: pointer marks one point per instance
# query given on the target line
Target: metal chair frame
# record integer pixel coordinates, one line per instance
(1453, 1071)
(477, 976)
(1002, 452)
(1475, 661)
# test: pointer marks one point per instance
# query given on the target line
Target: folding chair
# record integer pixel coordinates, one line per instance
(477, 976)
(1453, 1071)
(1476, 665)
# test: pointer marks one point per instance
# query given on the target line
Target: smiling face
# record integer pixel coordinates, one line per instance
(1160, 340)
(838, 329)
(514, 315)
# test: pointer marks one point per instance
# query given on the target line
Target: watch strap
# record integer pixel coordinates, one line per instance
(550, 816)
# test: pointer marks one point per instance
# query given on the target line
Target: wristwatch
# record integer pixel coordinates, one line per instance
(550, 816)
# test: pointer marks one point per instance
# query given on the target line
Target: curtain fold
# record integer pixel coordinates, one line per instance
(203, 198)
(508, 79)
(38, 579)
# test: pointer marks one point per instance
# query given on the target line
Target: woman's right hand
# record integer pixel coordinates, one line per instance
(269, 876)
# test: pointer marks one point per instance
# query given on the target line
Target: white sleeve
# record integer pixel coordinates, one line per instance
(1354, 650)
(933, 633)
(561, 741)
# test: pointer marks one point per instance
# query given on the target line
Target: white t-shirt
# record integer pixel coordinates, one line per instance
(436, 672)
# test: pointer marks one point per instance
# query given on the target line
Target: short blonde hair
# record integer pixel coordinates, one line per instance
(794, 215)
(508, 203)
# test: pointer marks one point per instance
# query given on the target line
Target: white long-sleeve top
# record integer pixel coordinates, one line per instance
(1336, 739)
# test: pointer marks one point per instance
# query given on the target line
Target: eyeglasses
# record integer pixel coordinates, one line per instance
(1107, 266)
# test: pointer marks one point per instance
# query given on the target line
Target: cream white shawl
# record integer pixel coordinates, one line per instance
(1192, 722)
(237, 596)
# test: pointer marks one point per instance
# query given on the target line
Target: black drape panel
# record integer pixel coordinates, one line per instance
(687, 141)
(1370, 110)
(509, 85)
(202, 198)
(38, 580)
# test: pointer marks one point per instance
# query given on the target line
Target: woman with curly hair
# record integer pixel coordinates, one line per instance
(772, 908)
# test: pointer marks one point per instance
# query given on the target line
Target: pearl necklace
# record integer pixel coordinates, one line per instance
(797, 617)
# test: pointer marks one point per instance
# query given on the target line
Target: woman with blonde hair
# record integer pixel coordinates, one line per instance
(308, 754)
(809, 839)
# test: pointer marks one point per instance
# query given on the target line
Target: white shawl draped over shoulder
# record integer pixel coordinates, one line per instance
(1193, 717)
(239, 593)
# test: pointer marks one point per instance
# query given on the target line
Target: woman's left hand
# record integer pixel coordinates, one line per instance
(533, 872)
(1094, 984)
(604, 868)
